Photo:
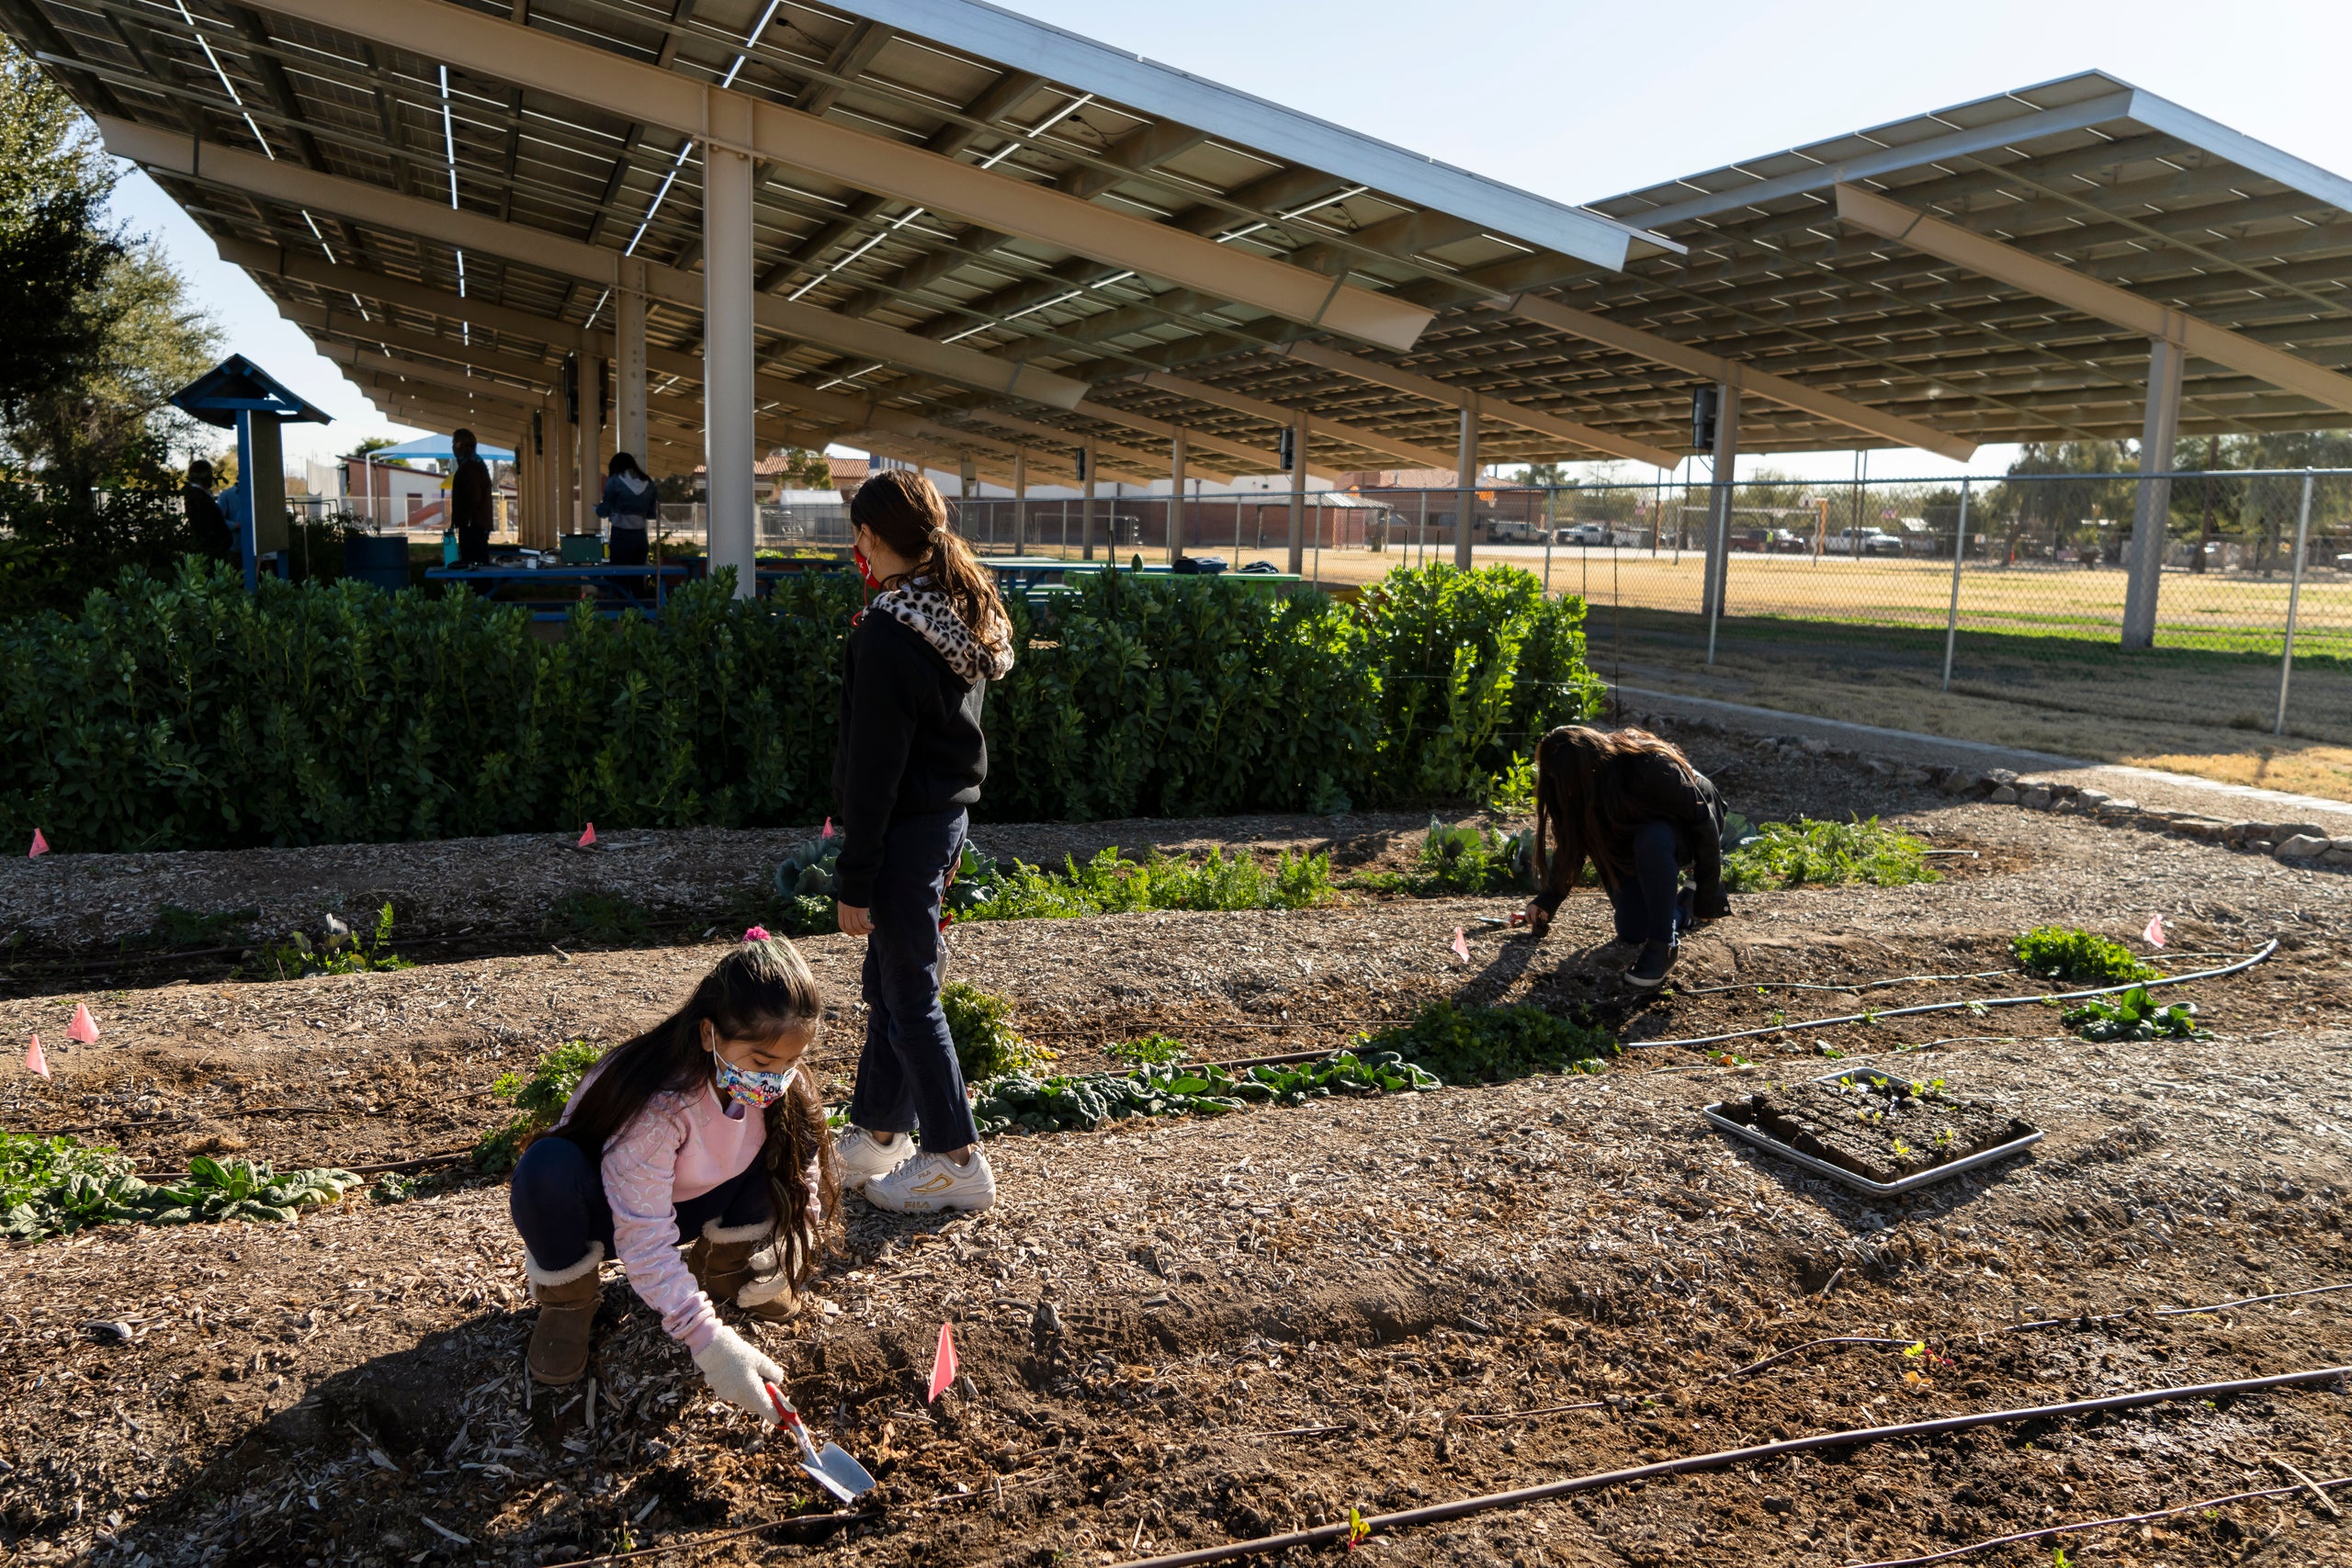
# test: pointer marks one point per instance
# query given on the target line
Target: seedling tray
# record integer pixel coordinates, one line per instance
(1727, 1116)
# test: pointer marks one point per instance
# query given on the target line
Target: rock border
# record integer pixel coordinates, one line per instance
(2305, 845)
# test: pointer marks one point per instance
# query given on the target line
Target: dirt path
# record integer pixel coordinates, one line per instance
(1265, 1320)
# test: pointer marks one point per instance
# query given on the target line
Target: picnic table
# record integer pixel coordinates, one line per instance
(1029, 574)
(616, 588)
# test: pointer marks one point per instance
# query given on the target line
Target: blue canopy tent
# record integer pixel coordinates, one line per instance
(436, 446)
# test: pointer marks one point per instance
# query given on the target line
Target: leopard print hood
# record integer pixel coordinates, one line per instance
(925, 609)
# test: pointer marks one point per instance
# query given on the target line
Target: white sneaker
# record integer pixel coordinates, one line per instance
(864, 1156)
(929, 1183)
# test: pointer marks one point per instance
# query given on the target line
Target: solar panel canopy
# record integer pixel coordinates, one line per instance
(976, 237)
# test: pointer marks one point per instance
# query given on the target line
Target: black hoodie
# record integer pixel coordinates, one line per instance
(909, 743)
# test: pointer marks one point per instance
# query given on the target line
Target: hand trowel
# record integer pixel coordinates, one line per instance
(832, 1468)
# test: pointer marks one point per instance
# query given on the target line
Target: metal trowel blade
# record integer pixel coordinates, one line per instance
(842, 1473)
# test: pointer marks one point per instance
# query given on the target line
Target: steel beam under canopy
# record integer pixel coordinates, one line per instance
(583, 72)
(1989, 257)
(177, 154)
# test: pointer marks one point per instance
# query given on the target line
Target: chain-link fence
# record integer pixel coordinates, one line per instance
(1889, 602)
(1886, 602)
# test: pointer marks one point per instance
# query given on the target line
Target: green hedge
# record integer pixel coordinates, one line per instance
(176, 713)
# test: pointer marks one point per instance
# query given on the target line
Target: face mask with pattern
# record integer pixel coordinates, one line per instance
(757, 1091)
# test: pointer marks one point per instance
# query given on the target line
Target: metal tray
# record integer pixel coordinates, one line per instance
(1911, 1183)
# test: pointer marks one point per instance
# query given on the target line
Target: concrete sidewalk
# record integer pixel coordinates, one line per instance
(2150, 786)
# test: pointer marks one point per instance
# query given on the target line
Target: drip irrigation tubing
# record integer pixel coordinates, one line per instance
(2267, 948)
(2317, 1488)
(1347, 1531)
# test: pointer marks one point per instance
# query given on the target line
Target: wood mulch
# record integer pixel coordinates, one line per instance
(1180, 1333)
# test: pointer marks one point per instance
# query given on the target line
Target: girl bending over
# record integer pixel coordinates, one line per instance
(703, 1129)
(1633, 805)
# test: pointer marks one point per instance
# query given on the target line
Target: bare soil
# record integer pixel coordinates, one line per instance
(1176, 1334)
(1880, 1133)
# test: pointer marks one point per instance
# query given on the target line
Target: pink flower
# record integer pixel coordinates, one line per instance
(755, 933)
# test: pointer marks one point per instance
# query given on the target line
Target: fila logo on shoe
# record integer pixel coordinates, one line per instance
(940, 1181)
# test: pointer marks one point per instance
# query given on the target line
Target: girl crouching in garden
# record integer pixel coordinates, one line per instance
(703, 1129)
(1633, 805)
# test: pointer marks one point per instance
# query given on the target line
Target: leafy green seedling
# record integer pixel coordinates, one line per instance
(2134, 1015)
(2078, 957)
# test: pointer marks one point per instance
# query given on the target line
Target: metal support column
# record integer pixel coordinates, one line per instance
(1465, 486)
(1719, 500)
(2294, 597)
(564, 469)
(1086, 509)
(592, 446)
(1020, 503)
(1951, 616)
(1299, 495)
(1176, 495)
(2143, 558)
(729, 442)
(628, 361)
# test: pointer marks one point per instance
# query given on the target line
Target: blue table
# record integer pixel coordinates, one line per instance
(1029, 573)
(617, 588)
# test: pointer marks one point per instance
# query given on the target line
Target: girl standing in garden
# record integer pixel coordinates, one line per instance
(630, 500)
(910, 760)
(701, 1129)
(1633, 805)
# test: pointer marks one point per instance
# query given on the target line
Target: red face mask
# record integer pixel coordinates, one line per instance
(864, 569)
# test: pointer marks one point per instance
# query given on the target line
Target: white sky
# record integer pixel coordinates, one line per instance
(1578, 101)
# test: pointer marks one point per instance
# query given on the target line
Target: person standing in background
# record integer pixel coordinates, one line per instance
(630, 500)
(471, 503)
(206, 521)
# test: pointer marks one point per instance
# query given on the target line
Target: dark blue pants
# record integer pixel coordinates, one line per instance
(558, 1202)
(1646, 904)
(909, 1078)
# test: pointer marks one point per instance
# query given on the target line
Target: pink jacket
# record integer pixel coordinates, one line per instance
(679, 1146)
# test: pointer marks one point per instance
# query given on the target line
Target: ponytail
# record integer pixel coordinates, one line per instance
(907, 512)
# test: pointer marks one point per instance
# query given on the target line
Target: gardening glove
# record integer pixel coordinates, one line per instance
(1538, 917)
(737, 1372)
(1713, 905)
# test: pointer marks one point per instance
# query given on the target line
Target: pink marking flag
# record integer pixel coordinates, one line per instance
(41, 846)
(943, 1364)
(587, 838)
(83, 1030)
(2154, 935)
(34, 1061)
(829, 828)
(1460, 945)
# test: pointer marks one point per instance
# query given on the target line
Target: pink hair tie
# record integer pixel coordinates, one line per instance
(756, 934)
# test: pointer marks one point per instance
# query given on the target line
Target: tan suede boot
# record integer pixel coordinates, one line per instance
(737, 1265)
(567, 1299)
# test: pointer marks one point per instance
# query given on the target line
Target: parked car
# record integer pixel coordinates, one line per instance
(1512, 531)
(1785, 542)
(2344, 563)
(1862, 542)
(1582, 534)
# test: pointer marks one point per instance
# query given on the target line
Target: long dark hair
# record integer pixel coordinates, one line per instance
(905, 510)
(626, 463)
(755, 993)
(1580, 794)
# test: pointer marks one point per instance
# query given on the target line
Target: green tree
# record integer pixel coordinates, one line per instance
(804, 470)
(54, 249)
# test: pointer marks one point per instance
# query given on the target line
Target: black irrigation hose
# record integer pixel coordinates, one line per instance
(2267, 948)
(1328, 1535)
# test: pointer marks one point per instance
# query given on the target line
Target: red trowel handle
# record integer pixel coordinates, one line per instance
(784, 1413)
